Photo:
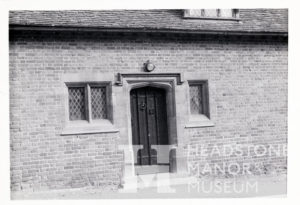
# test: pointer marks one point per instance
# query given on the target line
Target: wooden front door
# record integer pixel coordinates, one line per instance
(149, 123)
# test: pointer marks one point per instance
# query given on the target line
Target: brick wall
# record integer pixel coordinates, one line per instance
(248, 99)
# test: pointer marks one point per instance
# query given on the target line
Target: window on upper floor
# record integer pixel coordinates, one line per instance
(212, 13)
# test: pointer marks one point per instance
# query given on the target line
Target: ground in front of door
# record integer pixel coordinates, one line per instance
(275, 186)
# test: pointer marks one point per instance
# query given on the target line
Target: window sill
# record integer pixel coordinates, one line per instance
(84, 127)
(199, 121)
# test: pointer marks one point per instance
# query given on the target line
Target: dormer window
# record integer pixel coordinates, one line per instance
(231, 14)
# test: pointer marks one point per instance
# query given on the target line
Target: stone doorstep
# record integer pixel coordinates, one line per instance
(156, 180)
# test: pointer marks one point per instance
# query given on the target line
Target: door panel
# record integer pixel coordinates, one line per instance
(149, 122)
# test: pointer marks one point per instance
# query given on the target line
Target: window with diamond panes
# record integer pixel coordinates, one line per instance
(98, 102)
(87, 101)
(77, 110)
(199, 98)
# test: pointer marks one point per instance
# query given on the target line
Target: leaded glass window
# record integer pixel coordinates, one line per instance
(87, 101)
(196, 99)
(199, 104)
(98, 102)
(77, 103)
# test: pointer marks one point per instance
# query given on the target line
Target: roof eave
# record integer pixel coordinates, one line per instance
(143, 30)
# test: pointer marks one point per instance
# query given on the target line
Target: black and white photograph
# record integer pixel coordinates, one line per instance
(151, 103)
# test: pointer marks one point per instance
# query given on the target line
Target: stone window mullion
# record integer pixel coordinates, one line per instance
(88, 103)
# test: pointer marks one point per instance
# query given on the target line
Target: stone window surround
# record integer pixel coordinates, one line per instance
(88, 86)
(89, 126)
(200, 120)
